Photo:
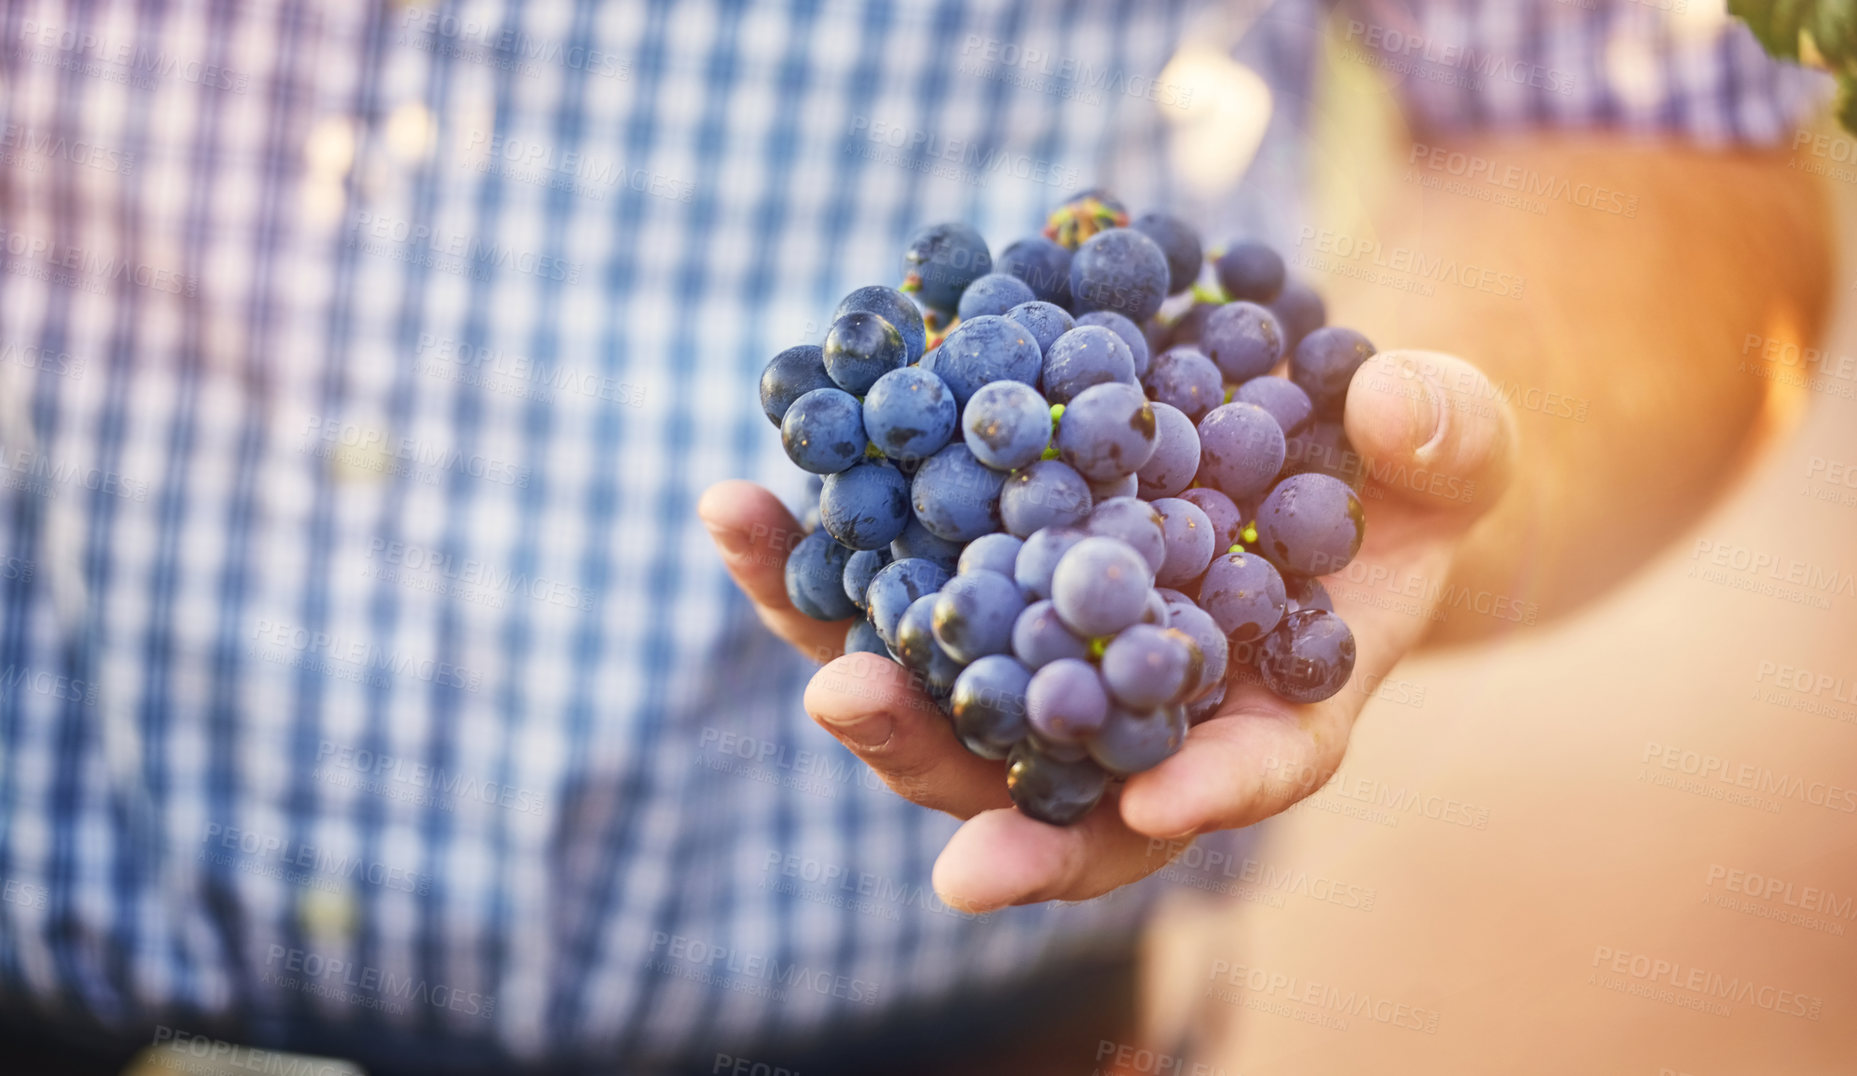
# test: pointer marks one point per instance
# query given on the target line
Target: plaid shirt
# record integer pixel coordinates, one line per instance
(363, 669)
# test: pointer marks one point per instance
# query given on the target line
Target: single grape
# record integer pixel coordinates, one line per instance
(987, 349)
(1101, 586)
(1085, 356)
(1148, 666)
(1311, 524)
(1121, 270)
(1189, 326)
(919, 651)
(823, 432)
(1049, 493)
(940, 262)
(1244, 595)
(992, 553)
(1188, 541)
(1323, 448)
(815, 575)
(1130, 742)
(862, 638)
(1324, 363)
(1250, 271)
(1308, 658)
(1066, 701)
(1043, 265)
(894, 307)
(918, 541)
(1244, 340)
(1222, 512)
(1241, 449)
(1107, 432)
(1084, 215)
(893, 590)
(1156, 612)
(860, 568)
(956, 496)
(1130, 333)
(1135, 522)
(1185, 378)
(994, 293)
(1061, 750)
(859, 349)
(990, 706)
(1300, 311)
(1039, 557)
(1052, 790)
(1214, 648)
(1045, 321)
(865, 506)
(1040, 638)
(789, 375)
(1179, 243)
(1006, 425)
(1176, 454)
(909, 414)
(1126, 486)
(1206, 705)
(1283, 398)
(974, 614)
(1307, 592)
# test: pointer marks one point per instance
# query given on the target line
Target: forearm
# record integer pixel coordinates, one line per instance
(1613, 292)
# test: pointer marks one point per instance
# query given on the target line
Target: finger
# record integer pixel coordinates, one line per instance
(754, 533)
(873, 707)
(1432, 428)
(1002, 857)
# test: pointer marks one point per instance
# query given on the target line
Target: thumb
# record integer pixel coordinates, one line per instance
(1432, 428)
(754, 532)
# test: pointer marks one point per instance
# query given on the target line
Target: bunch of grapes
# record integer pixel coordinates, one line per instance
(1069, 492)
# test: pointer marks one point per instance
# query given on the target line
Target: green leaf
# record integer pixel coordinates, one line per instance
(1775, 22)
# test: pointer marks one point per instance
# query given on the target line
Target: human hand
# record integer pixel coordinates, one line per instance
(1438, 444)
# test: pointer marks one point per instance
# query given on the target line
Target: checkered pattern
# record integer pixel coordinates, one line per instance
(363, 670)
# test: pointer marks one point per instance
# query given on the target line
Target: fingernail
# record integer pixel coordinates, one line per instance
(731, 541)
(1428, 407)
(863, 730)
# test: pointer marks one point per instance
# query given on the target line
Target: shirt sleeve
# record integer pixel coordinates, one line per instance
(1646, 67)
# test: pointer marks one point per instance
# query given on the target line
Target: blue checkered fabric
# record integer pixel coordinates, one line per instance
(363, 668)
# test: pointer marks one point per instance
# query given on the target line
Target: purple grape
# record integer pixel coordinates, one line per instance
(909, 414)
(992, 553)
(987, 349)
(1206, 705)
(789, 375)
(1324, 363)
(892, 306)
(1040, 638)
(1323, 448)
(862, 638)
(1222, 512)
(1283, 398)
(1299, 310)
(1129, 332)
(1053, 790)
(956, 496)
(860, 348)
(1176, 454)
(1244, 594)
(1241, 449)
(1308, 658)
(1100, 586)
(1006, 425)
(918, 541)
(823, 431)
(866, 506)
(892, 590)
(1131, 742)
(989, 705)
(1179, 243)
(916, 646)
(1086, 355)
(1185, 378)
(1310, 524)
(1119, 269)
(974, 614)
(1128, 485)
(1062, 751)
(1155, 612)
(1214, 648)
(1045, 321)
(1039, 557)
(1146, 666)
(859, 569)
(994, 293)
(1043, 265)
(1250, 271)
(1134, 521)
(1188, 541)
(1049, 493)
(1188, 327)
(815, 577)
(1307, 592)
(940, 262)
(1107, 432)
(1066, 701)
(1243, 340)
